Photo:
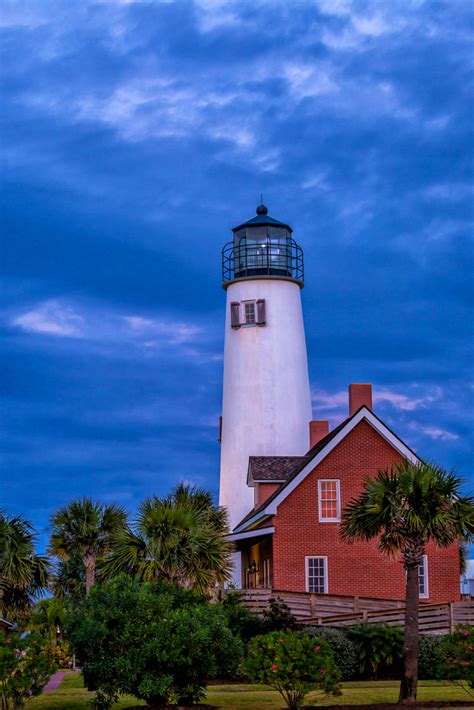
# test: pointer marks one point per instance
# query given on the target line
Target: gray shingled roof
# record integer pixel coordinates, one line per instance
(274, 468)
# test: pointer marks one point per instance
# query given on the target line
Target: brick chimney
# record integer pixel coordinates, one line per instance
(359, 395)
(317, 431)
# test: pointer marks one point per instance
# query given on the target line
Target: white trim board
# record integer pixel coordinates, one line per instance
(375, 423)
(233, 537)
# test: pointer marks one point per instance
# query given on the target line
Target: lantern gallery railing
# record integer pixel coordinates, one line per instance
(263, 258)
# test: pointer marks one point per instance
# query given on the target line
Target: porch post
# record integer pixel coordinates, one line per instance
(236, 559)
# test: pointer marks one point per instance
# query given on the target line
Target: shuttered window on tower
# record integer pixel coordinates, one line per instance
(235, 314)
(249, 313)
(261, 312)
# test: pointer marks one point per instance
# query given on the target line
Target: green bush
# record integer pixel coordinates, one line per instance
(24, 669)
(459, 655)
(293, 664)
(278, 617)
(157, 642)
(342, 647)
(242, 622)
(379, 648)
(432, 657)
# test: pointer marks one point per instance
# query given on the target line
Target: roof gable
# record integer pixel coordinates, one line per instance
(319, 452)
(273, 469)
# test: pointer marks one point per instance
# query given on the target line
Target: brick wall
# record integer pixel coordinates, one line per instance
(359, 568)
(263, 491)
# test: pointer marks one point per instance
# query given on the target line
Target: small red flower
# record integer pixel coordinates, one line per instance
(274, 667)
(317, 648)
(8, 641)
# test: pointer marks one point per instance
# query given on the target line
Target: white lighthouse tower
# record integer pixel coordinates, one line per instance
(266, 401)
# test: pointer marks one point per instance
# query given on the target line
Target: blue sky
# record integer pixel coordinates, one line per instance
(135, 135)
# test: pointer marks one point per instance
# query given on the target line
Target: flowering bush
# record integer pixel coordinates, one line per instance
(293, 663)
(459, 650)
(24, 669)
(343, 649)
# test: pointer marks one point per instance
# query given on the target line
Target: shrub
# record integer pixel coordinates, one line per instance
(278, 617)
(242, 622)
(24, 669)
(379, 648)
(157, 642)
(292, 663)
(459, 660)
(342, 647)
(432, 657)
(60, 652)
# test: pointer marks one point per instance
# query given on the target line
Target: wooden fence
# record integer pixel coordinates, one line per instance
(306, 606)
(338, 610)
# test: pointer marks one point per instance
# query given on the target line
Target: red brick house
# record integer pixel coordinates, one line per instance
(290, 539)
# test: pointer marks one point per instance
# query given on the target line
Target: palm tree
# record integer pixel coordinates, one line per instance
(23, 573)
(85, 528)
(180, 538)
(405, 508)
(69, 578)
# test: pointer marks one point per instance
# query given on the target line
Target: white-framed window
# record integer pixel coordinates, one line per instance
(423, 578)
(249, 315)
(329, 501)
(317, 575)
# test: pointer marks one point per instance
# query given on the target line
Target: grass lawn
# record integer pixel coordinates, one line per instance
(72, 696)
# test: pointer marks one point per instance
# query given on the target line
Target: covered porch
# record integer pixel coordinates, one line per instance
(253, 558)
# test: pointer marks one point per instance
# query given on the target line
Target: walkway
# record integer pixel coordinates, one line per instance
(55, 681)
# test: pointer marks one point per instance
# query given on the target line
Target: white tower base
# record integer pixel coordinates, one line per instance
(267, 399)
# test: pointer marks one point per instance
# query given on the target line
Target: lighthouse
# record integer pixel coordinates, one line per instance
(266, 406)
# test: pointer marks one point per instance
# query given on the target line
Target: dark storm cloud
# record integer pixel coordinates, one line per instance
(135, 135)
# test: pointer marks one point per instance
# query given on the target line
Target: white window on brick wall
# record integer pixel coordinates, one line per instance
(423, 578)
(317, 575)
(329, 501)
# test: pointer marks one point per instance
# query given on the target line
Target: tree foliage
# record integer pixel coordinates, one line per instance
(155, 641)
(458, 656)
(85, 529)
(379, 648)
(179, 538)
(293, 664)
(23, 573)
(405, 508)
(24, 669)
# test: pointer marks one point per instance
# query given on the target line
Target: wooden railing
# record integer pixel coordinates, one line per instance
(434, 619)
(340, 610)
(306, 606)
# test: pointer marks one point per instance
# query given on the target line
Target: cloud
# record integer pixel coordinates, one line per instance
(449, 192)
(96, 324)
(405, 402)
(435, 432)
(51, 318)
(216, 15)
(336, 401)
(174, 331)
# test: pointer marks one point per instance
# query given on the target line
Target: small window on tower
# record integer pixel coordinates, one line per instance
(249, 316)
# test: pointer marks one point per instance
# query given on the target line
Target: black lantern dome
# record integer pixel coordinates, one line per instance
(262, 247)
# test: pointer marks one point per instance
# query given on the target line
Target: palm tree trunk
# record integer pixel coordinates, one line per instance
(89, 563)
(409, 681)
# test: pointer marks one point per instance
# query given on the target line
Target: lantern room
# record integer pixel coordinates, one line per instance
(262, 247)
